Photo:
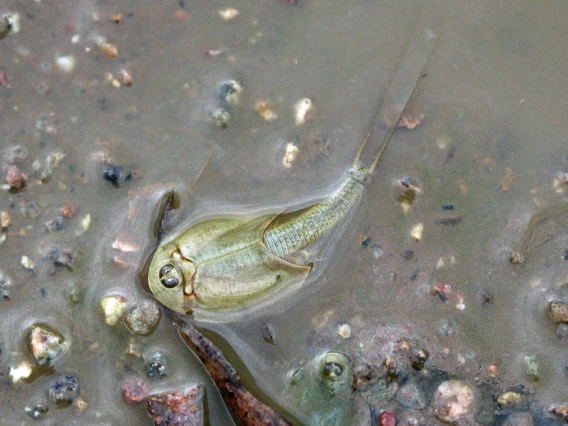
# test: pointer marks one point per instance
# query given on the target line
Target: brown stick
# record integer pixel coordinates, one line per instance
(240, 402)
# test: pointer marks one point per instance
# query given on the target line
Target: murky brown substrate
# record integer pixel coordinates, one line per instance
(110, 105)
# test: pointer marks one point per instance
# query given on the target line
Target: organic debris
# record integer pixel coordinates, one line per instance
(240, 402)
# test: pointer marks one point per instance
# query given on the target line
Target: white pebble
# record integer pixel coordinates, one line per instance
(453, 400)
(84, 225)
(304, 111)
(65, 63)
(377, 251)
(417, 231)
(113, 308)
(28, 263)
(12, 20)
(228, 13)
(344, 331)
(290, 155)
(22, 371)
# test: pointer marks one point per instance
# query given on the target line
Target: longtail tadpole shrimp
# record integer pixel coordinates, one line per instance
(219, 267)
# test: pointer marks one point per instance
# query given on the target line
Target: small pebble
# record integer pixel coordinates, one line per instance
(5, 219)
(67, 210)
(80, 404)
(453, 400)
(265, 111)
(177, 408)
(560, 183)
(268, 334)
(221, 117)
(21, 372)
(134, 391)
(109, 50)
(228, 13)
(532, 365)
(344, 331)
(230, 91)
(27, 263)
(156, 369)
(290, 155)
(377, 251)
(114, 174)
(143, 318)
(45, 345)
(417, 231)
(62, 258)
(387, 418)
(52, 162)
(15, 177)
(63, 387)
(10, 24)
(418, 358)
(511, 399)
(36, 411)
(84, 225)
(53, 225)
(304, 111)
(66, 63)
(558, 311)
(113, 308)
(125, 77)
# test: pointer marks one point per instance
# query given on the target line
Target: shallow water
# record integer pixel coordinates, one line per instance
(490, 143)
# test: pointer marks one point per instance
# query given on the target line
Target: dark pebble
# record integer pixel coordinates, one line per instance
(366, 242)
(156, 369)
(448, 207)
(114, 174)
(63, 387)
(226, 89)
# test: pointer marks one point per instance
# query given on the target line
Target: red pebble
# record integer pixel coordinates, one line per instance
(15, 177)
(134, 391)
(387, 419)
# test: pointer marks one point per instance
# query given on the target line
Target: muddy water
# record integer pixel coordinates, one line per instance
(490, 144)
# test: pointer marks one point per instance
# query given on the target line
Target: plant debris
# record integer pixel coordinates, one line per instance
(240, 402)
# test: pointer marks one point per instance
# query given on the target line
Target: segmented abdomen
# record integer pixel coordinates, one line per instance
(295, 234)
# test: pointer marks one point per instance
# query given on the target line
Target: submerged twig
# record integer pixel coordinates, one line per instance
(241, 403)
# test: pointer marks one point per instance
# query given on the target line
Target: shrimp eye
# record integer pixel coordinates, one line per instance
(332, 370)
(169, 276)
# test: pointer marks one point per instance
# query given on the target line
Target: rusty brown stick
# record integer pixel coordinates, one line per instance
(241, 403)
